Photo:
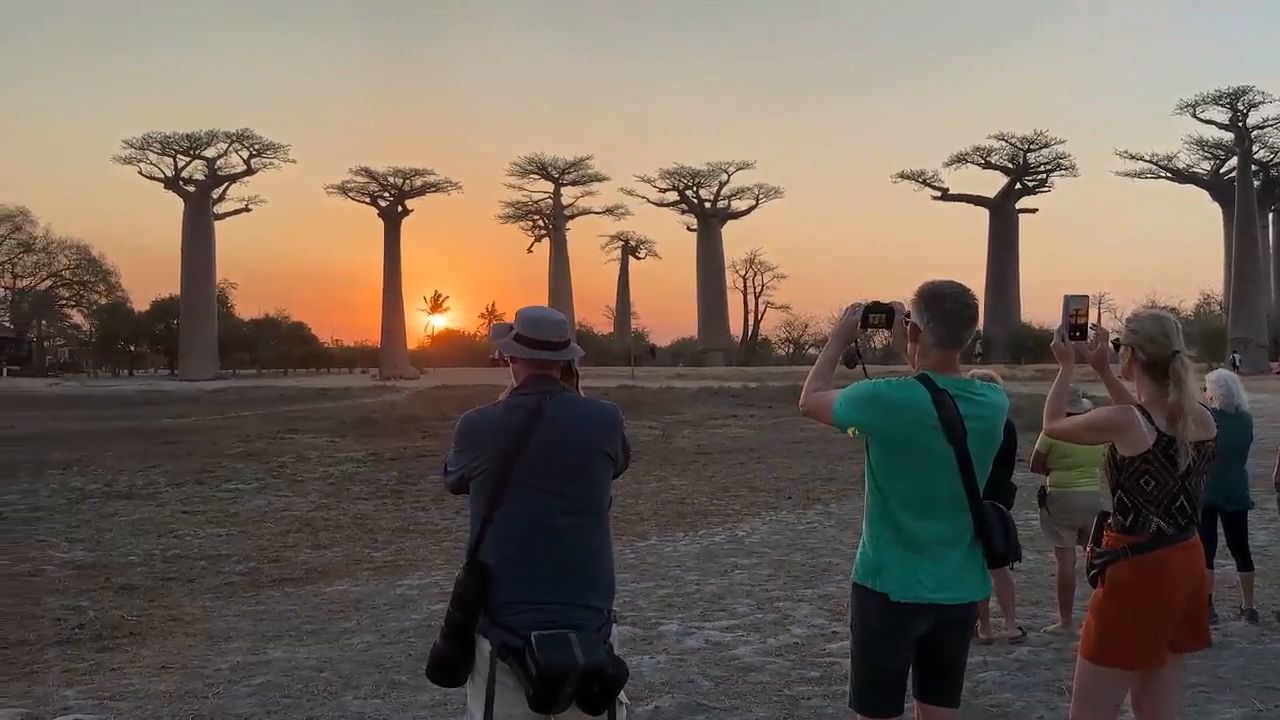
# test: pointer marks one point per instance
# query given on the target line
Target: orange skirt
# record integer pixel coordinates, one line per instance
(1148, 608)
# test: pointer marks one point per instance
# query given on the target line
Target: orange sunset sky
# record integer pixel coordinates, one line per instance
(829, 98)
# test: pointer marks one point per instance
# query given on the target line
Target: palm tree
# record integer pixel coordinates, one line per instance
(622, 247)
(388, 191)
(436, 306)
(490, 316)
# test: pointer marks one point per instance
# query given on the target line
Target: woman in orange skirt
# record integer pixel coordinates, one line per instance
(1149, 608)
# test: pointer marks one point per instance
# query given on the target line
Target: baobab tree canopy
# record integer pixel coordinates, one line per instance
(629, 243)
(201, 160)
(1030, 164)
(706, 191)
(389, 190)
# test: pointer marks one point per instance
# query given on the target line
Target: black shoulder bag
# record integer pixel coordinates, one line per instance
(453, 653)
(992, 524)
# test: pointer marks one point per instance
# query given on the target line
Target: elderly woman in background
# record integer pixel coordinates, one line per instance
(1001, 489)
(1226, 495)
(1069, 501)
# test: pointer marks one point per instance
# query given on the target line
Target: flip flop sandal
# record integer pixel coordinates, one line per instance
(977, 635)
(1019, 638)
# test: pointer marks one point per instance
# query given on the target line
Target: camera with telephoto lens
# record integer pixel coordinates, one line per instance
(877, 316)
(453, 653)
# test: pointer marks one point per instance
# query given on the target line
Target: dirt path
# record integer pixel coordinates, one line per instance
(276, 560)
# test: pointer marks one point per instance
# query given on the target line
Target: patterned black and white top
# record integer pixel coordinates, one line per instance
(1150, 495)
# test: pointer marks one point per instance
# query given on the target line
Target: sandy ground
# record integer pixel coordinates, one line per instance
(280, 548)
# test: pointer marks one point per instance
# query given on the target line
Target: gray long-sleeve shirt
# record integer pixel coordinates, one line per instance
(550, 548)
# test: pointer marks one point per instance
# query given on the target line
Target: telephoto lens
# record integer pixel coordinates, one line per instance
(454, 651)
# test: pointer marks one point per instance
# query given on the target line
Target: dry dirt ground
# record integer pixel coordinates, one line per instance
(282, 549)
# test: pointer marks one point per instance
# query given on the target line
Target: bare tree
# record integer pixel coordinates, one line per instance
(756, 279)
(707, 197)
(797, 335)
(201, 167)
(622, 247)
(551, 191)
(388, 191)
(1238, 110)
(1031, 163)
(1104, 303)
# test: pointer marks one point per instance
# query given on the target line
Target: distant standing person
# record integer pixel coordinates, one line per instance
(1069, 501)
(1226, 496)
(977, 351)
(1002, 490)
(1236, 361)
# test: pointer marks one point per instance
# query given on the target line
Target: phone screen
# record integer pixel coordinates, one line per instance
(1075, 317)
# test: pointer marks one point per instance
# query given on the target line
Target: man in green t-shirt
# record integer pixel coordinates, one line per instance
(919, 571)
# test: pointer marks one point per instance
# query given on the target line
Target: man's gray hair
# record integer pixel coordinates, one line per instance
(947, 311)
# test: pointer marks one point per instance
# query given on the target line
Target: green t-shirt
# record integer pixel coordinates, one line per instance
(918, 543)
(1071, 466)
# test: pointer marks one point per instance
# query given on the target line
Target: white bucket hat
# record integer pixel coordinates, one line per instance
(538, 333)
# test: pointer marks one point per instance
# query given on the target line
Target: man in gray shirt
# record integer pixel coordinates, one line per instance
(550, 548)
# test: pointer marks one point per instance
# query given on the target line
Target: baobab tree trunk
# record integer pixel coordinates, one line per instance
(1002, 298)
(393, 355)
(198, 291)
(622, 303)
(559, 276)
(1228, 211)
(1275, 276)
(1247, 317)
(1268, 281)
(714, 336)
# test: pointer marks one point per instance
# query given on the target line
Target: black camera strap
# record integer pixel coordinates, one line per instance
(958, 437)
(505, 469)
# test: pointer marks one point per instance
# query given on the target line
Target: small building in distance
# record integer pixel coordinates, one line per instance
(15, 349)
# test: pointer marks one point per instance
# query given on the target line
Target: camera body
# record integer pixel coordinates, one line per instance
(878, 316)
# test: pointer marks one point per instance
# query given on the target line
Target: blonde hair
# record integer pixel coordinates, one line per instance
(1155, 337)
(988, 376)
(1226, 392)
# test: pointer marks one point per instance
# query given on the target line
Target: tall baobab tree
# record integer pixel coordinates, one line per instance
(1202, 162)
(550, 194)
(756, 279)
(1030, 163)
(1266, 160)
(388, 191)
(706, 196)
(1238, 110)
(201, 167)
(622, 247)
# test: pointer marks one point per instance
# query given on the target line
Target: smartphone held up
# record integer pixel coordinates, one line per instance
(1075, 317)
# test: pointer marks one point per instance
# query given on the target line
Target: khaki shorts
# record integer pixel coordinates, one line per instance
(1067, 517)
(508, 696)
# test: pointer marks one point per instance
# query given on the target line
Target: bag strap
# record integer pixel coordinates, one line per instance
(958, 437)
(505, 469)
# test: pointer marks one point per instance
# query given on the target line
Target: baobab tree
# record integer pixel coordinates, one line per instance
(756, 280)
(622, 247)
(1266, 160)
(1202, 162)
(1030, 163)
(551, 191)
(707, 198)
(202, 167)
(388, 191)
(1238, 110)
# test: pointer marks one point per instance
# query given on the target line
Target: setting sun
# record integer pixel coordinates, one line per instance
(439, 321)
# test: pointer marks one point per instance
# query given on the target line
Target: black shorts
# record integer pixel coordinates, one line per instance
(890, 640)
